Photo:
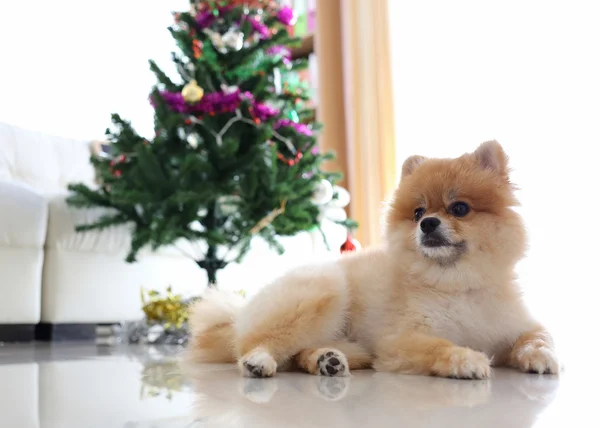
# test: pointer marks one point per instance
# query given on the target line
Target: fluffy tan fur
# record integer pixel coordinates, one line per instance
(451, 310)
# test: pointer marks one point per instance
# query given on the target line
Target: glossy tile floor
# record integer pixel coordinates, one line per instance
(84, 386)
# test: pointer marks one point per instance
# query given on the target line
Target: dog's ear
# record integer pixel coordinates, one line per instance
(411, 164)
(490, 155)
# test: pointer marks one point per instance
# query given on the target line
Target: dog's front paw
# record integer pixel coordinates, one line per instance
(536, 357)
(258, 363)
(461, 363)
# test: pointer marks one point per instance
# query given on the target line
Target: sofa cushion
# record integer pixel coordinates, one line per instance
(61, 235)
(23, 216)
(46, 163)
(113, 240)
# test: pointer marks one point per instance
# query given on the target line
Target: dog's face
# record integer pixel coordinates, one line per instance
(448, 210)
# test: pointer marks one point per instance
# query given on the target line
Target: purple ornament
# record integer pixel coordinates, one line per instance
(205, 19)
(174, 100)
(283, 51)
(279, 50)
(260, 28)
(300, 128)
(286, 16)
(215, 102)
(218, 102)
(264, 111)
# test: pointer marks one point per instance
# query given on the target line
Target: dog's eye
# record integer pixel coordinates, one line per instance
(459, 209)
(419, 213)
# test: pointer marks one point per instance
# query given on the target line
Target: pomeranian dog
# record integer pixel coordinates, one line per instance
(438, 298)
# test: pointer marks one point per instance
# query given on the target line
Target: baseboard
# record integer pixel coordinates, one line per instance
(46, 332)
(17, 332)
(65, 332)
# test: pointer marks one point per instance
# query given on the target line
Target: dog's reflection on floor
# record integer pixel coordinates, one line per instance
(258, 391)
(369, 399)
(331, 388)
(326, 388)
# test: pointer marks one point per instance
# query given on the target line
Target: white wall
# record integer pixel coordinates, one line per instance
(66, 65)
(526, 73)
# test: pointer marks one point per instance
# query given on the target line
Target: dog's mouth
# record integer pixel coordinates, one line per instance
(435, 241)
(437, 247)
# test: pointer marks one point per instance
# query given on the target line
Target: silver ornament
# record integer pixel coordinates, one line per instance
(193, 140)
(229, 89)
(216, 40)
(233, 39)
(277, 81)
(155, 333)
(342, 197)
(334, 214)
(323, 193)
(196, 225)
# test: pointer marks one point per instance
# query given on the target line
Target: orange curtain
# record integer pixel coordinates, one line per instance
(356, 105)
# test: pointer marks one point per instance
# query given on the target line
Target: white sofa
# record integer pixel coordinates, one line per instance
(51, 274)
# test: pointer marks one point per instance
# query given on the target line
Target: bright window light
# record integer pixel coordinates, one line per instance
(67, 64)
(526, 73)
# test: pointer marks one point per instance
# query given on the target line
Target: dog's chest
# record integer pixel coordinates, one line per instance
(481, 322)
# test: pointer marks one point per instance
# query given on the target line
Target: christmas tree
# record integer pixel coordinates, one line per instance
(234, 154)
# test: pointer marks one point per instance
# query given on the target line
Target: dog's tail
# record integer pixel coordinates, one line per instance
(211, 326)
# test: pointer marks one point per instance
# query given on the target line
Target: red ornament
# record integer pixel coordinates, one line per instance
(290, 162)
(117, 173)
(117, 160)
(197, 48)
(350, 246)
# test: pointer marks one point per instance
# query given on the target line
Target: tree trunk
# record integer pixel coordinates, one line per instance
(211, 264)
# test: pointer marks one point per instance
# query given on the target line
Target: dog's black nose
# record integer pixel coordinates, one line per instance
(429, 224)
